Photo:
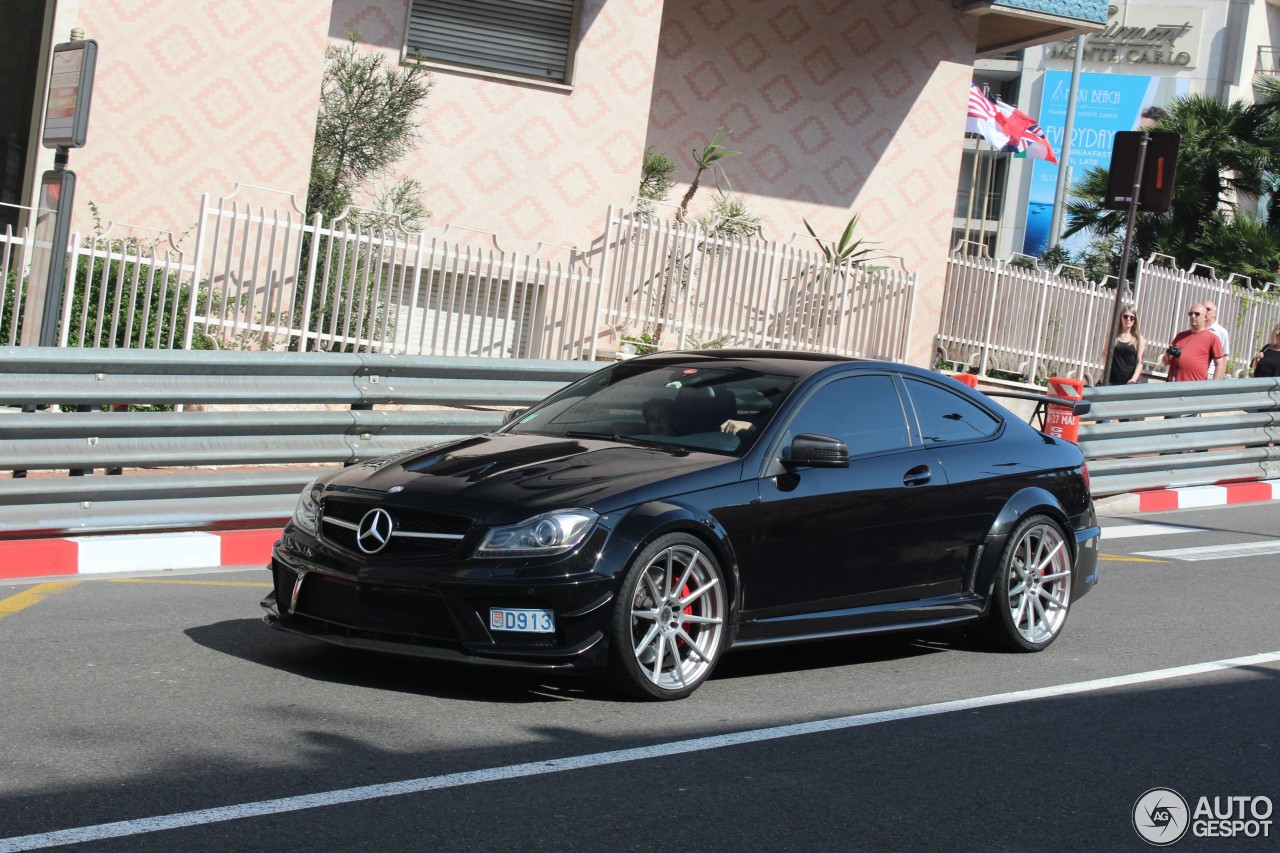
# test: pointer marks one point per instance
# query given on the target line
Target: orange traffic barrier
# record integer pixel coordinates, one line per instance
(1062, 422)
(966, 379)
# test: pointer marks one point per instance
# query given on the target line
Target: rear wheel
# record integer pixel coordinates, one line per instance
(1031, 593)
(669, 625)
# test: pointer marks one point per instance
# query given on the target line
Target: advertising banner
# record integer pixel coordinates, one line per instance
(1105, 105)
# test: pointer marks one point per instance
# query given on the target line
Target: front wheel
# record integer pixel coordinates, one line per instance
(1031, 593)
(669, 625)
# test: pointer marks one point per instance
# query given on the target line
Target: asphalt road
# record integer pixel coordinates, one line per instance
(158, 713)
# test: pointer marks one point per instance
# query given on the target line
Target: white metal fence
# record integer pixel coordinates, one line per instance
(14, 261)
(1028, 324)
(262, 276)
(678, 285)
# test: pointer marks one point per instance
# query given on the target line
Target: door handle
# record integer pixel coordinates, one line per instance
(917, 476)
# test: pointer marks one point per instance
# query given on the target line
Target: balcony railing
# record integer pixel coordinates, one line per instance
(1268, 59)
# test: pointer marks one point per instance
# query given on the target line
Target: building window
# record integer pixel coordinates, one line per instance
(529, 38)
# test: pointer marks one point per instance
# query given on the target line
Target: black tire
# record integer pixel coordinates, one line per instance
(670, 621)
(1029, 608)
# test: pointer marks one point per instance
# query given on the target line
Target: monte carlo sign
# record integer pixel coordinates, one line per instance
(1156, 35)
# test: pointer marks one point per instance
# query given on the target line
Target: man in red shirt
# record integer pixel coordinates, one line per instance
(1198, 348)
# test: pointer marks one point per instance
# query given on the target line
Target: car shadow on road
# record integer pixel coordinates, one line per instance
(250, 640)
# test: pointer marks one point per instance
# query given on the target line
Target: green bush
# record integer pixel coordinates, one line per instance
(165, 308)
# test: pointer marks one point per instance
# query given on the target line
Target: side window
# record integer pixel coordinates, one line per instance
(947, 416)
(862, 411)
(530, 38)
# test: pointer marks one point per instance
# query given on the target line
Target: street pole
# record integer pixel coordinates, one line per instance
(1060, 192)
(1124, 256)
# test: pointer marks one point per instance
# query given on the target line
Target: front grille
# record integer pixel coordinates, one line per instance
(406, 520)
(375, 611)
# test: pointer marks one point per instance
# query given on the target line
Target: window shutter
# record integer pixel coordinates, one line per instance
(529, 37)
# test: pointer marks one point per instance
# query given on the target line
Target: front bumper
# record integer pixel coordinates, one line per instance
(440, 610)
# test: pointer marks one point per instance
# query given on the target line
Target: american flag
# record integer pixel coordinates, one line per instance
(984, 119)
(980, 106)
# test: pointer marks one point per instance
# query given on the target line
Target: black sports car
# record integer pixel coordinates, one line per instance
(669, 508)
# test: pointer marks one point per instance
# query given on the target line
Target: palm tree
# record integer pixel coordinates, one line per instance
(1230, 152)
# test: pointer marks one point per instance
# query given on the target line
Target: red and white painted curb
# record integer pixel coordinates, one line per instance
(135, 552)
(1190, 497)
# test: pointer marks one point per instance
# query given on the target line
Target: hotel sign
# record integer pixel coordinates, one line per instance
(1164, 36)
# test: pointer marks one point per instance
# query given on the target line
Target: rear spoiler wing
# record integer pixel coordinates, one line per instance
(1043, 402)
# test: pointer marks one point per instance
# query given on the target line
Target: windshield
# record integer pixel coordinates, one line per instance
(719, 408)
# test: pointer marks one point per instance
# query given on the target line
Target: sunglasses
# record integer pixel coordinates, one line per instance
(1127, 317)
(1193, 313)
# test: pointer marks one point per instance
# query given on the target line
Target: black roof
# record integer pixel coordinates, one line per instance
(786, 362)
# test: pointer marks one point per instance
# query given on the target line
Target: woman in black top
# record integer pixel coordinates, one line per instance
(1267, 361)
(1127, 347)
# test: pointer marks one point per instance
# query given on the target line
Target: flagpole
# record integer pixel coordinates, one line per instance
(986, 198)
(973, 192)
(1060, 193)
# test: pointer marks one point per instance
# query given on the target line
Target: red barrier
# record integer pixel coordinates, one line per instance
(966, 379)
(1061, 422)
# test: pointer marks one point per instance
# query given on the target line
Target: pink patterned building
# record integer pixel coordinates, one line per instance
(838, 107)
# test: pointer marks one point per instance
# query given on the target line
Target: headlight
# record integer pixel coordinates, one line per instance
(307, 515)
(540, 536)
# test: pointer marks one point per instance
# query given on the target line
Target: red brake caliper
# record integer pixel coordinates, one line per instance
(688, 611)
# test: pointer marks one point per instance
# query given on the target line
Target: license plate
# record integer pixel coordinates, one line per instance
(526, 621)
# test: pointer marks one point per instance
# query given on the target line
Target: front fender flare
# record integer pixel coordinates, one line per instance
(645, 523)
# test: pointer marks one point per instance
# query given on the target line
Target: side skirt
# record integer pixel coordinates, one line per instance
(876, 619)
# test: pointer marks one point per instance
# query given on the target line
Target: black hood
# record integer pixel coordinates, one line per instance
(500, 479)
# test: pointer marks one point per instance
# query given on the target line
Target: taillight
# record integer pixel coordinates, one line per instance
(1084, 469)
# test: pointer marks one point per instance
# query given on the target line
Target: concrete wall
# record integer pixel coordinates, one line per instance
(838, 108)
(194, 96)
(531, 162)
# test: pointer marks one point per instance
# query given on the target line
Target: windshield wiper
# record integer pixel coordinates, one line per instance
(629, 439)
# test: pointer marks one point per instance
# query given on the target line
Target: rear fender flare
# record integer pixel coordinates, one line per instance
(1028, 501)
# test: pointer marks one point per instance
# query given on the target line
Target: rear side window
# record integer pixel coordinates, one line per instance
(946, 416)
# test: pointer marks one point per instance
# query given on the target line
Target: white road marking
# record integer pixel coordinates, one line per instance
(1217, 552)
(1129, 531)
(124, 828)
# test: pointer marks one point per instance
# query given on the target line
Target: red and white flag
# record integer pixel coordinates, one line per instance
(1025, 134)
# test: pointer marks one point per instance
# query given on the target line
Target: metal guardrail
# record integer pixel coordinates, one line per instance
(1165, 435)
(1133, 436)
(169, 444)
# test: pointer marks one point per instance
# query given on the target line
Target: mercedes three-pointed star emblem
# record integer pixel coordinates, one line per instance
(374, 531)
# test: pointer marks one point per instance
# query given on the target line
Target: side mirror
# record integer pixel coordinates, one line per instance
(513, 415)
(817, 451)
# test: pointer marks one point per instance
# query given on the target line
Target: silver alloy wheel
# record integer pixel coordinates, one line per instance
(1039, 583)
(677, 618)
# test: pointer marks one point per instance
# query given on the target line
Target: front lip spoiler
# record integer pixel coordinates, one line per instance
(437, 653)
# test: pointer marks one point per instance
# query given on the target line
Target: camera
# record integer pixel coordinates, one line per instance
(1174, 352)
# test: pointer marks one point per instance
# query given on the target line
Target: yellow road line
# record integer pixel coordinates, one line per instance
(35, 595)
(189, 583)
(1119, 559)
